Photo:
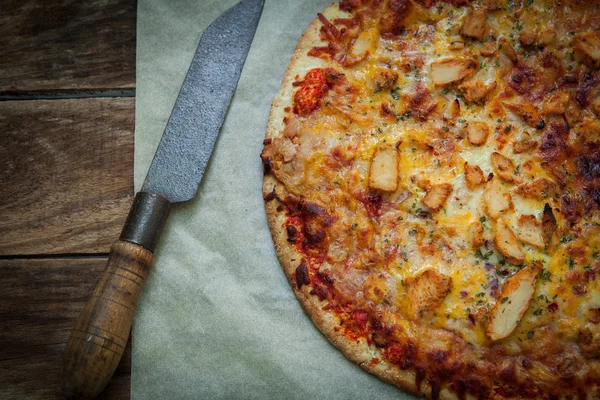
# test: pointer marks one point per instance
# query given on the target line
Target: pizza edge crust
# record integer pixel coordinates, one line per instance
(357, 351)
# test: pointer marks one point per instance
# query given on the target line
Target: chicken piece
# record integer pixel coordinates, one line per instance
(556, 172)
(527, 38)
(383, 174)
(556, 102)
(496, 201)
(529, 231)
(475, 24)
(505, 168)
(457, 43)
(426, 291)
(540, 188)
(477, 91)
(548, 224)
(476, 231)
(492, 5)
(437, 195)
(507, 49)
(451, 70)
(589, 44)
(528, 114)
(587, 131)
(512, 303)
(376, 288)
(473, 176)
(524, 145)
(385, 78)
(546, 38)
(477, 133)
(488, 49)
(363, 46)
(507, 243)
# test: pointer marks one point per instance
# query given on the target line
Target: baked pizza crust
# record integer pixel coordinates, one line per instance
(357, 351)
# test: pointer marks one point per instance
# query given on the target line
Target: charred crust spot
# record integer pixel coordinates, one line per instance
(540, 124)
(320, 292)
(270, 196)
(372, 203)
(349, 5)
(579, 289)
(569, 79)
(392, 21)
(594, 316)
(568, 368)
(267, 165)
(589, 275)
(548, 224)
(302, 277)
(569, 209)
(314, 236)
(553, 146)
(584, 89)
(589, 166)
(311, 209)
(508, 374)
(471, 319)
(294, 204)
(291, 232)
(423, 214)
(385, 110)
(322, 285)
(394, 353)
(438, 355)
(522, 79)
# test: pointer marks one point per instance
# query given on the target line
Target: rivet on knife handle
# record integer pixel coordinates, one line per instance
(98, 340)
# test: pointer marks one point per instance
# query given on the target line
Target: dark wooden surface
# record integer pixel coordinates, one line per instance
(67, 45)
(39, 302)
(66, 176)
(65, 167)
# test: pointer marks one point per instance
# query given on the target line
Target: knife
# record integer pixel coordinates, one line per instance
(100, 334)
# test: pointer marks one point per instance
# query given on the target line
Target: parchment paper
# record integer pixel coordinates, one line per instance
(217, 318)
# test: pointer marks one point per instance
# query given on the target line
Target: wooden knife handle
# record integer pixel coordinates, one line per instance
(98, 340)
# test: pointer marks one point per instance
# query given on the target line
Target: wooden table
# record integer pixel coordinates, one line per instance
(67, 97)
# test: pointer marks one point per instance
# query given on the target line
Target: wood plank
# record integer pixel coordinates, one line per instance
(67, 44)
(66, 174)
(39, 302)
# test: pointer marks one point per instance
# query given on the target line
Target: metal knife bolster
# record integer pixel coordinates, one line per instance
(146, 220)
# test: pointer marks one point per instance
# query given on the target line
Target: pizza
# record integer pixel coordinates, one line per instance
(432, 185)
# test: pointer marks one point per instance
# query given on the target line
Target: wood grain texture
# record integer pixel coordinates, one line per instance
(66, 173)
(101, 332)
(67, 44)
(39, 302)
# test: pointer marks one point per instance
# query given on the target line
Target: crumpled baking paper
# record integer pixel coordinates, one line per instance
(217, 318)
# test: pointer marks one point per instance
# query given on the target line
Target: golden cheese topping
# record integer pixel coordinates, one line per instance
(440, 165)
